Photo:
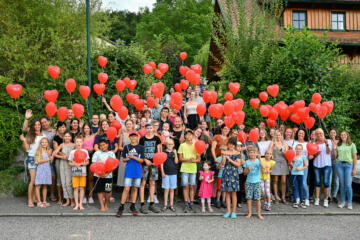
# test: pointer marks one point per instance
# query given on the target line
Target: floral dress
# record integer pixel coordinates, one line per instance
(230, 176)
(43, 172)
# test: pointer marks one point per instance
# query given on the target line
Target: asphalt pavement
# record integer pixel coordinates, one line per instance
(272, 227)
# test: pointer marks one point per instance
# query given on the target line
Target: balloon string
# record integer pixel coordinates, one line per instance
(70, 100)
(94, 188)
(17, 108)
(323, 122)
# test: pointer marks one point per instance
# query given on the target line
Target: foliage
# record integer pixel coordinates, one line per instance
(123, 25)
(10, 182)
(202, 57)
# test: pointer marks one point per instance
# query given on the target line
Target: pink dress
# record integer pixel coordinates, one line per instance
(89, 143)
(206, 189)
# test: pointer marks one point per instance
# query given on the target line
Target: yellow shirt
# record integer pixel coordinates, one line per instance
(268, 166)
(188, 151)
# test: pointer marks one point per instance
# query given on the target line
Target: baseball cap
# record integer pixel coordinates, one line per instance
(133, 133)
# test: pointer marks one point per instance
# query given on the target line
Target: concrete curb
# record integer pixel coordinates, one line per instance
(112, 214)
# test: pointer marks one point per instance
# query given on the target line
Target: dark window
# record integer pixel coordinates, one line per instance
(299, 19)
(337, 21)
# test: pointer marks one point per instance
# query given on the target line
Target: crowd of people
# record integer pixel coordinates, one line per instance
(228, 174)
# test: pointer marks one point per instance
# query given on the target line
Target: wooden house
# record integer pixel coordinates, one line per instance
(339, 18)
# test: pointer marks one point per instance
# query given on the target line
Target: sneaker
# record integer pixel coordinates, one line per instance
(268, 208)
(330, 200)
(120, 212)
(302, 205)
(218, 204)
(91, 200)
(143, 209)
(156, 199)
(326, 203)
(307, 202)
(191, 208)
(112, 200)
(233, 215)
(295, 205)
(317, 202)
(263, 206)
(298, 200)
(335, 200)
(226, 215)
(239, 205)
(341, 205)
(154, 209)
(134, 211)
(349, 206)
(84, 200)
(148, 200)
(186, 209)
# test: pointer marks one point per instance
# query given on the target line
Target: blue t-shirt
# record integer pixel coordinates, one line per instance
(298, 163)
(133, 168)
(104, 136)
(253, 175)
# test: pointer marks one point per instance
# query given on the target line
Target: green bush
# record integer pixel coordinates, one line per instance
(10, 183)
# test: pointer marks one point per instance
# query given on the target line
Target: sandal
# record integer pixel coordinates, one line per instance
(31, 205)
(40, 205)
(46, 204)
(53, 199)
(164, 209)
(284, 201)
(172, 208)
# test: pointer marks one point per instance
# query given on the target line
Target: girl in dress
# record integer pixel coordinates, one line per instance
(231, 160)
(88, 145)
(43, 158)
(206, 188)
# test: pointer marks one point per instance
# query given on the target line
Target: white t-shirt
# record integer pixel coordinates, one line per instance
(290, 143)
(100, 156)
(263, 147)
(34, 146)
(81, 171)
(323, 159)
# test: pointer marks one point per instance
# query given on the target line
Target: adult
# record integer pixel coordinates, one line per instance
(322, 166)
(198, 98)
(280, 169)
(190, 114)
(219, 124)
(168, 95)
(74, 128)
(113, 145)
(272, 133)
(69, 118)
(57, 141)
(188, 94)
(88, 144)
(178, 132)
(95, 123)
(134, 119)
(206, 136)
(164, 118)
(334, 178)
(289, 137)
(262, 125)
(346, 167)
(311, 172)
(264, 142)
(147, 115)
(123, 141)
(172, 115)
(301, 138)
(156, 110)
(111, 117)
(31, 143)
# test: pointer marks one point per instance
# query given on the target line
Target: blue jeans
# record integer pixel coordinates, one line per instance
(334, 176)
(322, 172)
(344, 170)
(297, 184)
(305, 185)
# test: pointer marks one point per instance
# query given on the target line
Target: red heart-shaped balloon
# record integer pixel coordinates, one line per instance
(132, 84)
(139, 104)
(152, 65)
(123, 113)
(51, 95)
(229, 121)
(242, 136)
(147, 69)
(127, 82)
(234, 87)
(254, 135)
(201, 109)
(254, 102)
(150, 101)
(163, 67)
(159, 158)
(158, 74)
(183, 56)
(196, 68)
(116, 124)
(263, 96)
(120, 85)
(271, 123)
(316, 98)
(228, 108)
(184, 84)
(50, 109)
(200, 146)
(116, 102)
(290, 155)
(238, 117)
(99, 89)
(78, 110)
(84, 91)
(14, 90)
(322, 111)
(309, 122)
(183, 70)
(111, 164)
(228, 96)
(312, 148)
(70, 85)
(103, 77)
(264, 110)
(62, 113)
(80, 156)
(273, 90)
(102, 61)
(54, 71)
(111, 133)
(178, 87)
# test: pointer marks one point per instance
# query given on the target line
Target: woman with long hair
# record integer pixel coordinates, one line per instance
(30, 144)
(346, 167)
(280, 169)
(88, 144)
(190, 114)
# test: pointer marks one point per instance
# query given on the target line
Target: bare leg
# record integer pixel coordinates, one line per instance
(186, 193)
(152, 190)
(107, 200)
(72, 203)
(192, 193)
(275, 187)
(326, 192)
(59, 190)
(166, 195)
(37, 190)
(44, 193)
(171, 197)
(82, 194)
(142, 190)
(76, 196)
(134, 192)
(101, 197)
(125, 195)
(283, 187)
(52, 188)
(91, 183)
(249, 204)
(228, 202)
(258, 208)
(31, 187)
(234, 201)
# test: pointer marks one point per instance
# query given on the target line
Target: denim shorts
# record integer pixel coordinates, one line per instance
(30, 163)
(132, 182)
(188, 179)
(169, 182)
(322, 172)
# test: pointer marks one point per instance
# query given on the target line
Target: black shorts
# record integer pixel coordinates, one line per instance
(103, 185)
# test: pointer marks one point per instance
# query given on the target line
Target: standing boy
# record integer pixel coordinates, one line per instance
(133, 155)
(152, 145)
(188, 158)
(103, 183)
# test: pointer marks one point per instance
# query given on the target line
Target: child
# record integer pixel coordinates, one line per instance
(253, 181)
(219, 194)
(297, 173)
(169, 172)
(43, 158)
(133, 156)
(231, 160)
(78, 173)
(103, 183)
(152, 145)
(265, 179)
(65, 169)
(242, 177)
(165, 133)
(188, 158)
(206, 188)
